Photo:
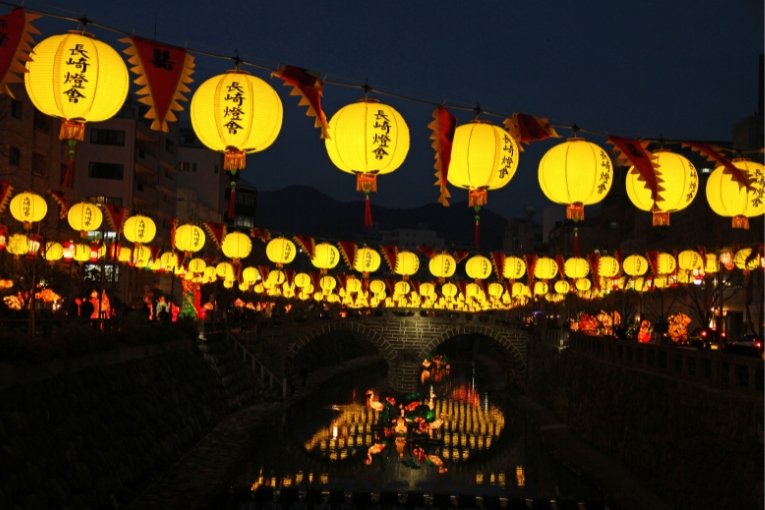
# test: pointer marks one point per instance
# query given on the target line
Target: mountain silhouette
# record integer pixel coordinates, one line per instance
(307, 211)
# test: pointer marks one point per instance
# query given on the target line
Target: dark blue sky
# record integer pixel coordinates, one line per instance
(654, 69)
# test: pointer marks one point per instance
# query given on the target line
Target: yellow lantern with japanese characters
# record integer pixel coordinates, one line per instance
(407, 264)
(325, 257)
(236, 246)
(575, 173)
(366, 261)
(367, 138)
(84, 217)
(513, 268)
(738, 195)
(677, 185)
(189, 238)
(442, 266)
(280, 251)
(139, 229)
(28, 208)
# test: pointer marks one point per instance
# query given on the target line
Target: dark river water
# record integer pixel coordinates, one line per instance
(483, 445)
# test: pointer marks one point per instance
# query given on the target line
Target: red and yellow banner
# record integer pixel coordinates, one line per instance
(310, 88)
(16, 40)
(442, 136)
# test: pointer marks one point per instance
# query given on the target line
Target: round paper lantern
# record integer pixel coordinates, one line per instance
(367, 260)
(545, 268)
(367, 138)
(513, 268)
(280, 251)
(690, 260)
(494, 289)
(250, 275)
(608, 266)
(576, 267)
(745, 260)
(224, 270)
(236, 246)
(401, 288)
(197, 265)
(139, 229)
(407, 264)
(484, 157)
(575, 173)
(377, 287)
(84, 217)
(635, 265)
(327, 283)
(541, 288)
(427, 289)
(449, 290)
(54, 251)
(189, 238)
(583, 284)
(562, 287)
(677, 183)
(738, 195)
(665, 263)
(82, 252)
(141, 256)
(325, 256)
(168, 261)
(28, 208)
(18, 244)
(478, 267)
(78, 79)
(442, 266)
(274, 278)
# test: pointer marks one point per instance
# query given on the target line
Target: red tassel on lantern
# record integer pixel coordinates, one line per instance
(575, 211)
(367, 183)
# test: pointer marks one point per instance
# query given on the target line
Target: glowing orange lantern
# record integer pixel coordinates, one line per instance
(576, 173)
(741, 197)
(28, 208)
(367, 138)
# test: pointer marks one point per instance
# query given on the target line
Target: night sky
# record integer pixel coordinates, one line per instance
(678, 70)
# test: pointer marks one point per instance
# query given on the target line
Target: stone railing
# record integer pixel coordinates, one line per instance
(265, 376)
(714, 369)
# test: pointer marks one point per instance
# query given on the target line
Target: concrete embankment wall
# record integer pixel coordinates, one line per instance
(695, 445)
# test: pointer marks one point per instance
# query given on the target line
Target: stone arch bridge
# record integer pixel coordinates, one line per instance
(403, 340)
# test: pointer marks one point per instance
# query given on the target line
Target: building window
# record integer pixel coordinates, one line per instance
(39, 165)
(14, 156)
(113, 171)
(41, 121)
(103, 199)
(17, 109)
(187, 166)
(170, 146)
(107, 136)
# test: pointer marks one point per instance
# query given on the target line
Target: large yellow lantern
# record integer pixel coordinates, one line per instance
(513, 268)
(407, 264)
(442, 266)
(575, 173)
(236, 246)
(677, 185)
(325, 257)
(635, 265)
(484, 157)
(54, 251)
(562, 287)
(367, 138)
(729, 196)
(746, 260)
(18, 244)
(367, 260)
(280, 251)
(84, 217)
(78, 79)
(576, 267)
(608, 266)
(690, 260)
(478, 267)
(189, 238)
(665, 263)
(139, 229)
(545, 268)
(28, 208)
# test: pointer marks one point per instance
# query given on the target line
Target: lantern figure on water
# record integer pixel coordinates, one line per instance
(367, 138)
(237, 114)
(484, 157)
(677, 183)
(139, 229)
(77, 79)
(28, 208)
(739, 197)
(84, 217)
(576, 173)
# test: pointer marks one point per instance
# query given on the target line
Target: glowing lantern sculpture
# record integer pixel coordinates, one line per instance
(281, 251)
(484, 157)
(236, 246)
(367, 138)
(28, 208)
(236, 114)
(575, 173)
(677, 182)
(740, 196)
(189, 238)
(139, 229)
(84, 217)
(78, 79)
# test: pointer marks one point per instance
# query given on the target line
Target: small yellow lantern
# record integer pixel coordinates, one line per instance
(678, 183)
(635, 265)
(690, 260)
(711, 263)
(168, 261)
(236, 246)
(139, 229)
(665, 263)
(197, 265)
(189, 238)
(84, 217)
(745, 260)
(562, 287)
(730, 197)
(325, 257)
(327, 283)
(576, 173)
(18, 244)
(367, 138)
(224, 270)
(449, 290)
(250, 275)
(28, 208)
(280, 251)
(302, 280)
(377, 287)
(442, 266)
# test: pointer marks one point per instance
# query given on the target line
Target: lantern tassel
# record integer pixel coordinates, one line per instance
(232, 200)
(477, 228)
(367, 211)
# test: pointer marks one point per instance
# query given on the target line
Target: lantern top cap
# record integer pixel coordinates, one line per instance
(575, 138)
(367, 100)
(82, 33)
(237, 71)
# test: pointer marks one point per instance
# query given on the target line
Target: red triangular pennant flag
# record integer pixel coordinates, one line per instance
(306, 243)
(115, 216)
(16, 35)
(260, 233)
(714, 156)
(164, 72)
(348, 251)
(528, 128)
(498, 261)
(216, 231)
(59, 198)
(442, 129)
(390, 252)
(310, 88)
(6, 192)
(635, 153)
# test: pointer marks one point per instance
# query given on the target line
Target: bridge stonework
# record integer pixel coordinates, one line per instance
(405, 340)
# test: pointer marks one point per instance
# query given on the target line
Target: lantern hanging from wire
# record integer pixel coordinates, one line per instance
(484, 157)
(367, 138)
(28, 208)
(325, 257)
(236, 114)
(366, 261)
(677, 183)
(78, 79)
(236, 246)
(281, 251)
(139, 229)
(407, 264)
(84, 217)
(738, 195)
(189, 238)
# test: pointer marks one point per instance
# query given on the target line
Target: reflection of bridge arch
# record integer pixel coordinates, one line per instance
(403, 340)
